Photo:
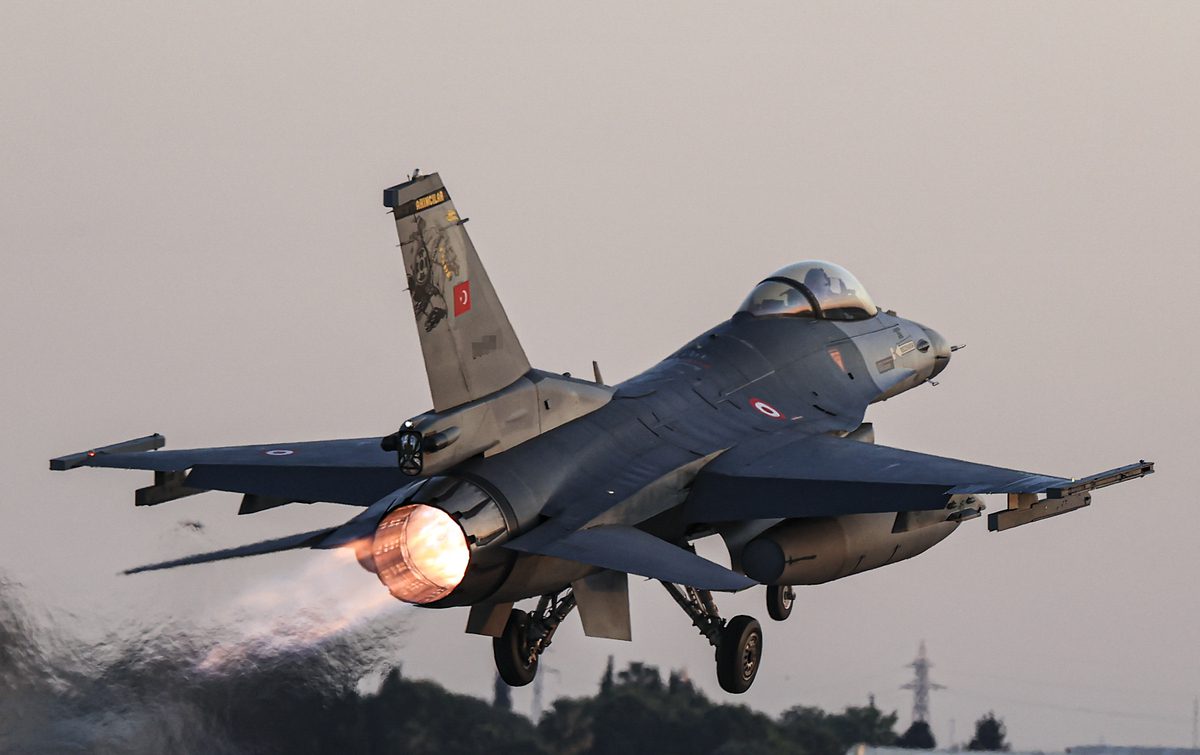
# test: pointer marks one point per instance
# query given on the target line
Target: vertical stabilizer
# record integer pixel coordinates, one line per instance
(469, 346)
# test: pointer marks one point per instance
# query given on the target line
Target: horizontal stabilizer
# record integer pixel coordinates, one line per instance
(628, 549)
(292, 542)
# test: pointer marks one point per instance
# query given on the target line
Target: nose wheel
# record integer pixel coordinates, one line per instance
(780, 599)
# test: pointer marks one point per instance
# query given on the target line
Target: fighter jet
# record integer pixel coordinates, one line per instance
(525, 484)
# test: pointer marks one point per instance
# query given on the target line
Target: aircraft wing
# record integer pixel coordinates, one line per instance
(310, 539)
(821, 475)
(354, 471)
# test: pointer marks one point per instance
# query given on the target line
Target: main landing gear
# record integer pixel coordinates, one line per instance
(527, 635)
(738, 642)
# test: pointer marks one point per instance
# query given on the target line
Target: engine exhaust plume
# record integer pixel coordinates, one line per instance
(421, 553)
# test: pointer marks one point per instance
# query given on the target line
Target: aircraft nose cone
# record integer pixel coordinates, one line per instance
(940, 348)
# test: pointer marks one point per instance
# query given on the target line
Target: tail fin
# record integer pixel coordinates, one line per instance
(469, 346)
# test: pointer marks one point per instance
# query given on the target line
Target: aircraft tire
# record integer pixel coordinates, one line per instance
(739, 654)
(780, 599)
(512, 656)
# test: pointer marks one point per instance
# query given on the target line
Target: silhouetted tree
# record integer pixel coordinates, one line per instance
(810, 729)
(918, 737)
(606, 681)
(866, 725)
(639, 674)
(569, 725)
(989, 734)
(678, 683)
(816, 732)
(641, 714)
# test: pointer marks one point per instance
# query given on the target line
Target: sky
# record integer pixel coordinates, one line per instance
(193, 243)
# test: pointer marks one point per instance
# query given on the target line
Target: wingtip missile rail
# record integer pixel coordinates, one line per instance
(81, 459)
(1026, 508)
(1103, 479)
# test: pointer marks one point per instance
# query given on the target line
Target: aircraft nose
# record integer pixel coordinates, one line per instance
(941, 351)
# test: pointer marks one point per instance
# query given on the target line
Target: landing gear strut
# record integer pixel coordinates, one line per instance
(738, 641)
(527, 635)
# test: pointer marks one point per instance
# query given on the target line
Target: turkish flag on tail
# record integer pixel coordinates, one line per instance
(462, 298)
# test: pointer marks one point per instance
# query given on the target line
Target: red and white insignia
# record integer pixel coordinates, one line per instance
(462, 298)
(766, 409)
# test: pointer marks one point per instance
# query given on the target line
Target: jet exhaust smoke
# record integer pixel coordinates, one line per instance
(239, 685)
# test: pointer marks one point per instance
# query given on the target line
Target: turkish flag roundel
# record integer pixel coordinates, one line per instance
(462, 298)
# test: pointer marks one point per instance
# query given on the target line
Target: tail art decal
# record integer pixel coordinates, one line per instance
(469, 347)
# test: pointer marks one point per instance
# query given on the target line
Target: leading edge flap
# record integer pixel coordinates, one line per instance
(469, 345)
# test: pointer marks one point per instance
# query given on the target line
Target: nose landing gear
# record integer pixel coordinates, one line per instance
(780, 599)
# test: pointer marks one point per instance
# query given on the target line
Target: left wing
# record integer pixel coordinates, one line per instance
(355, 471)
(823, 475)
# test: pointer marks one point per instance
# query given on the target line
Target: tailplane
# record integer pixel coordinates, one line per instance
(469, 345)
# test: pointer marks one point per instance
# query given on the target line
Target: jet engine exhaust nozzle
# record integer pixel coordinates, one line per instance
(421, 553)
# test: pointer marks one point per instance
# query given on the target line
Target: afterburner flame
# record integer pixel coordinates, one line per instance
(421, 553)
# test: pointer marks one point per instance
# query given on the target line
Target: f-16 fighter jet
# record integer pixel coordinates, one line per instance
(523, 484)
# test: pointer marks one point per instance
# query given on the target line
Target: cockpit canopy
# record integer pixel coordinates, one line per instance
(811, 289)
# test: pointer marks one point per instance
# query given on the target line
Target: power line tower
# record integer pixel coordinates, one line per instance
(921, 686)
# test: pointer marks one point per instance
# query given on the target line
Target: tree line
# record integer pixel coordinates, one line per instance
(635, 710)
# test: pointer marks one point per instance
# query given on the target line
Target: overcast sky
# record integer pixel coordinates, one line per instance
(193, 243)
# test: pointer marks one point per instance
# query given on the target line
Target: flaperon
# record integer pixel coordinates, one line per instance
(523, 484)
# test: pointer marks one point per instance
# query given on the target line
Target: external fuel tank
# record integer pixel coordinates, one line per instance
(817, 550)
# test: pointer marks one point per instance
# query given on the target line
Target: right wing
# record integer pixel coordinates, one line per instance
(822, 475)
